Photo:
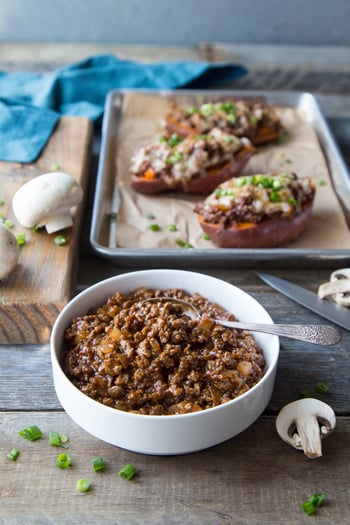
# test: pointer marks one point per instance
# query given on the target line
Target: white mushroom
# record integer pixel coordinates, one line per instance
(9, 251)
(47, 200)
(338, 287)
(304, 423)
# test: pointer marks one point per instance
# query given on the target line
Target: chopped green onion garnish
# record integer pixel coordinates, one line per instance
(318, 499)
(2, 202)
(57, 440)
(308, 507)
(174, 140)
(60, 240)
(83, 485)
(206, 237)
(154, 227)
(21, 239)
(289, 161)
(207, 109)
(149, 216)
(275, 197)
(292, 200)
(31, 433)
(322, 388)
(128, 471)
(98, 463)
(35, 229)
(322, 182)
(8, 223)
(55, 166)
(180, 242)
(254, 120)
(172, 227)
(63, 460)
(112, 216)
(162, 139)
(13, 455)
(175, 157)
(305, 393)
(188, 245)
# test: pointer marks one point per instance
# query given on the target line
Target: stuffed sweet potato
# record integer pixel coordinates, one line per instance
(195, 164)
(253, 119)
(257, 211)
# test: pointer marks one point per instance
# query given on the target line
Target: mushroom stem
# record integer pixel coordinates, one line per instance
(309, 436)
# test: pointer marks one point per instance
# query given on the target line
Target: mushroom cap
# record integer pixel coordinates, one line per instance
(304, 422)
(46, 196)
(9, 251)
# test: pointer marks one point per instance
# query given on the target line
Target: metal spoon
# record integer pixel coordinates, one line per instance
(312, 333)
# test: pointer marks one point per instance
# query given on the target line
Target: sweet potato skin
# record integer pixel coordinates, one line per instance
(267, 234)
(200, 185)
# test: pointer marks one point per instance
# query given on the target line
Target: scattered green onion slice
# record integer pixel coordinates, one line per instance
(55, 166)
(172, 227)
(308, 507)
(127, 472)
(322, 182)
(180, 242)
(111, 216)
(63, 460)
(98, 463)
(206, 237)
(2, 202)
(58, 441)
(154, 227)
(174, 140)
(188, 245)
(13, 454)
(21, 239)
(150, 216)
(60, 240)
(322, 388)
(31, 433)
(83, 485)
(305, 393)
(8, 223)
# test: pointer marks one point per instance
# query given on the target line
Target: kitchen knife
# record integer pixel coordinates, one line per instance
(331, 311)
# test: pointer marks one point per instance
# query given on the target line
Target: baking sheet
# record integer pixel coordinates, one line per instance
(120, 228)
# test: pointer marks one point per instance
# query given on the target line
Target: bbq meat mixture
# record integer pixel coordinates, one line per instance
(178, 161)
(256, 198)
(253, 119)
(151, 358)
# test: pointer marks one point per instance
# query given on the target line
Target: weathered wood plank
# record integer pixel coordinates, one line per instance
(252, 479)
(32, 296)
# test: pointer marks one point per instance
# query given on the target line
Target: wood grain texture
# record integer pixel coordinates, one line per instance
(32, 296)
(252, 479)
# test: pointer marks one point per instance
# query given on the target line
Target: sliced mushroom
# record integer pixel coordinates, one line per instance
(47, 200)
(304, 423)
(9, 251)
(338, 287)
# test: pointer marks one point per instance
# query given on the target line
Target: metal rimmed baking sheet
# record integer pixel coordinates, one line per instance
(144, 112)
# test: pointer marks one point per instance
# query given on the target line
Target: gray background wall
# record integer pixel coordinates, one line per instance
(174, 22)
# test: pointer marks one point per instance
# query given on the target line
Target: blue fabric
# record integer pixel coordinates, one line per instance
(31, 103)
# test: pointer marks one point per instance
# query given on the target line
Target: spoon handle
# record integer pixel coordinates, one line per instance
(312, 333)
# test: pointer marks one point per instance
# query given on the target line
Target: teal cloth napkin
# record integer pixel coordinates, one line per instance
(31, 103)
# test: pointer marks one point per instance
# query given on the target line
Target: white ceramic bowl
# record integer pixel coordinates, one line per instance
(169, 434)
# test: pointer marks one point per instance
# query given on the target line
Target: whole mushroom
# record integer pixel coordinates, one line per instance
(304, 423)
(9, 251)
(47, 200)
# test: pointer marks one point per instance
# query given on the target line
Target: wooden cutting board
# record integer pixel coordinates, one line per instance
(42, 283)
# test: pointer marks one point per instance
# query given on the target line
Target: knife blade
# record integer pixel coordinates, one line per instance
(333, 312)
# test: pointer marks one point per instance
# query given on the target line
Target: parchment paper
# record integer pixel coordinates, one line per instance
(299, 151)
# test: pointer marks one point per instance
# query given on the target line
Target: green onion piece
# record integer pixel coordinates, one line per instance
(83, 485)
(254, 120)
(180, 242)
(111, 216)
(35, 229)
(63, 460)
(175, 157)
(305, 393)
(55, 166)
(2, 202)
(127, 472)
(154, 227)
(13, 455)
(207, 109)
(206, 237)
(188, 245)
(318, 499)
(98, 463)
(308, 507)
(31, 433)
(60, 240)
(275, 197)
(322, 182)
(289, 161)
(150, 216)
(174, 140)
(162, 139)
(292, 200)
(21, 239)
(8, 223)
(172, 227)
(58, 441)
(322, 388)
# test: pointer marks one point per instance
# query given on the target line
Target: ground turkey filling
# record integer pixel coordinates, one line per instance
(151, 358)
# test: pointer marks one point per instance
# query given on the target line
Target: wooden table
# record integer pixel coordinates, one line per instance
(252, 479)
